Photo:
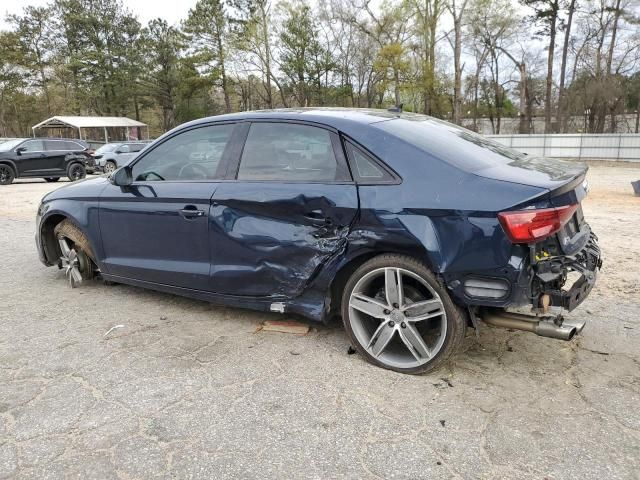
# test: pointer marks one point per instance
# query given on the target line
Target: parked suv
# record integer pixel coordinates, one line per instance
(48, 158)
(114, 155)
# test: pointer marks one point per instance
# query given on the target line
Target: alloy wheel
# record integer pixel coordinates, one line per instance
(76, 172)
(397, 317)
(109, 167)
(71, 262)
(6, 175)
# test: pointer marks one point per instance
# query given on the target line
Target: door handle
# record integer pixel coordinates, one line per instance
(191, 211)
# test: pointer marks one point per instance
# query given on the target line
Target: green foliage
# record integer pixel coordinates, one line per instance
(93, 57)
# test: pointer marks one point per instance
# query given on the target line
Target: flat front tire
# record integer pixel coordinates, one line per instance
(75, 253)
(398, 316)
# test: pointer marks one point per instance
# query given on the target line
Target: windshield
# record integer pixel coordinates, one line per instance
(109, 147)
(9, 144)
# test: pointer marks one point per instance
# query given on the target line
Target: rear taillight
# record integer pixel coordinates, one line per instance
(527, 226)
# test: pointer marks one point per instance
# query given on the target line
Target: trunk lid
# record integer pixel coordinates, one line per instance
(549, 173)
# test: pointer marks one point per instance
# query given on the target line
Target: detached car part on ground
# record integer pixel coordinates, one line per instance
(410, 228)
(48, 158)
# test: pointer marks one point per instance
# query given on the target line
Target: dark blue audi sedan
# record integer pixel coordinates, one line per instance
(410, 228)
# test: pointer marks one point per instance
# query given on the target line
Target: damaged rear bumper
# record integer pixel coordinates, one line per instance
(533, 279)
(551, 276)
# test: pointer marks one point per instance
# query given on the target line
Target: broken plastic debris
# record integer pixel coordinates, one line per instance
(285, 326)
(115, 327)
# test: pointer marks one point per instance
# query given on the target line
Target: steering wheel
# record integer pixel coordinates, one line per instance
(196, 168)
(145, 175)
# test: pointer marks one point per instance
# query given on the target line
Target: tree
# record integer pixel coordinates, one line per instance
(208, 28)
(35, 38)
(426, 14)
(494, 25)
(303, 59)
(563, 68)
(164, 44)
(546, 14)
(98, 41)
(457, 13)
(12, 81)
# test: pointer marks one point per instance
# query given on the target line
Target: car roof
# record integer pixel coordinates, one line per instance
(332, 116)
(56, 138)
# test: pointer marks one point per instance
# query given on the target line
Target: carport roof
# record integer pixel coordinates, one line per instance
(89, 122)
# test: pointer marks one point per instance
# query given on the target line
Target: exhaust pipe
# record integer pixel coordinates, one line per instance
(544, 327)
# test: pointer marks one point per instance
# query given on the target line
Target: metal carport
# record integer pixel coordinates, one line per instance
(87, 128)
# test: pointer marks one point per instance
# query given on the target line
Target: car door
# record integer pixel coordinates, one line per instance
(56, 150)
(31, 158)
(156, 229)
(283, 212)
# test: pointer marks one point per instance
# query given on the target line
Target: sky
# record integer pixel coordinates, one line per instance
(171, 10)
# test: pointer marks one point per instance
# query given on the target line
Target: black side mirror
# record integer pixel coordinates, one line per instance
(118, 151)
(122, 177)
(19, 150)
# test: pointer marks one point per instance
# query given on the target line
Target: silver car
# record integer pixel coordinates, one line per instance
(115, 155)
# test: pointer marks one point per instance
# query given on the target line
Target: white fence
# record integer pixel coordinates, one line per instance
(614, 146)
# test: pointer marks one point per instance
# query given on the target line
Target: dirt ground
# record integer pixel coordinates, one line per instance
(184, 389)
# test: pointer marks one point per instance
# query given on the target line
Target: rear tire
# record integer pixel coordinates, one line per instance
(76, 171)
(7, 175)
(398, 316)
(52, 179)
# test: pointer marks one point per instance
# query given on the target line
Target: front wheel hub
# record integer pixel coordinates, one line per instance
(71, 262)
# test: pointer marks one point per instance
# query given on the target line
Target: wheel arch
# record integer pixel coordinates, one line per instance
(48, 238)
(10, 164)
(349, 266)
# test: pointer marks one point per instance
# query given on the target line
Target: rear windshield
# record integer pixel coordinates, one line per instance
(455, 145)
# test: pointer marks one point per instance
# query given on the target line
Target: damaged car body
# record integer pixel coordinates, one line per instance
(408, 227)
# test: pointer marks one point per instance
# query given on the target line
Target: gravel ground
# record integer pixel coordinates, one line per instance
(188, 390)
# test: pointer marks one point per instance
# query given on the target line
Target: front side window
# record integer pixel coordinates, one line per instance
(191, 155)
(135, 147)
(33, 146)
(289, 152)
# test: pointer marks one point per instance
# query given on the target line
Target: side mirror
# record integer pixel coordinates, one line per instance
(122, 177)
(19, 150)
(118, 151)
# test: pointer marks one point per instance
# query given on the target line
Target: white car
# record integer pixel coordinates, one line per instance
(114, 155)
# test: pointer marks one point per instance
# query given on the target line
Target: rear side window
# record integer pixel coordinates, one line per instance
(75, 146)
(289, 152)
(52, 145)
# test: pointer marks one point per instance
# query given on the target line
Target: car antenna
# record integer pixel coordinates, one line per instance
(396, 109)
